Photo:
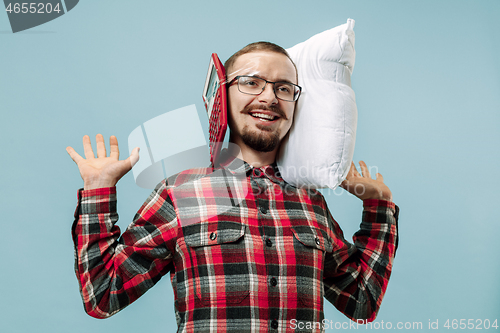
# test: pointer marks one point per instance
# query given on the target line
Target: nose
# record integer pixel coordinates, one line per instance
(268, 95)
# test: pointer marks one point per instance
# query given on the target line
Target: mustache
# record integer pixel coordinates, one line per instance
(271, 108)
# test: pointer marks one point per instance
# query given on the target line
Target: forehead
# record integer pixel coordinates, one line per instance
(269, 65)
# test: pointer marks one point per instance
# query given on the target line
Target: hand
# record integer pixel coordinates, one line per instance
(102, 171)
(363, 186)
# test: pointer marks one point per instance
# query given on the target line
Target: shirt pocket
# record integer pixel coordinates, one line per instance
(220, 266)
(310, 245)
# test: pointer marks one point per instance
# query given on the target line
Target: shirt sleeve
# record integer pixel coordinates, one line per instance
(114, 271)
(356, 275)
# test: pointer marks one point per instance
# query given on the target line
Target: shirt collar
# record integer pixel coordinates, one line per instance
(237, 167)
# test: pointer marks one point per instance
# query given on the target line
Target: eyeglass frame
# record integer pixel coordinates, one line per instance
(264, 88)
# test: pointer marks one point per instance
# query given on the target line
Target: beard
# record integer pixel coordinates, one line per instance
(264, 141)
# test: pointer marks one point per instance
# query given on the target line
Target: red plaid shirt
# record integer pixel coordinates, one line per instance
(245, 250)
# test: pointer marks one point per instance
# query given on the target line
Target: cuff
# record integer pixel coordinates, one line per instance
(378, 203)
(97, 201)
(378, 211)
(375, 210)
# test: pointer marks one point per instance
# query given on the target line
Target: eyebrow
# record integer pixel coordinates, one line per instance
(279, 80)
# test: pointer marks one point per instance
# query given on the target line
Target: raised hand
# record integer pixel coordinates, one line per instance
(363, 186)
(102, 171)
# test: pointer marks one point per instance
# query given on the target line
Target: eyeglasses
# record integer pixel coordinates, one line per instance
(253, 85)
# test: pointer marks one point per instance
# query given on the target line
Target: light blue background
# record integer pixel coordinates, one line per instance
(427, 81)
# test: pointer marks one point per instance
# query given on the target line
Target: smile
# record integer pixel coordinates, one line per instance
(264, 116)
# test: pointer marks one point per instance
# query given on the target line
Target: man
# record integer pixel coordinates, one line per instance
(261, 261)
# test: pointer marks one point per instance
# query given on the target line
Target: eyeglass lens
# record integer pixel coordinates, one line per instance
(254, 86)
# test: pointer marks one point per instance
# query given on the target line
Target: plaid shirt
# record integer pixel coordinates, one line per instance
(246, 252)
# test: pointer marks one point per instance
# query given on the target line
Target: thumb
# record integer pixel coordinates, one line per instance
(345, 184)
(134, 156)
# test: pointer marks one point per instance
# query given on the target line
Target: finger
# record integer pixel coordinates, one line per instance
(130, 161)
(74, 155)
(347, 184)
(134, 157)
(353, 187)
(364, 169)
(113, 147)
(379, 177)
(101, 147)
(353, 171)
(87, 148)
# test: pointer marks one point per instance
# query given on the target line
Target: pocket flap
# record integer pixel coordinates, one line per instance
(312, 237)
(213, 233)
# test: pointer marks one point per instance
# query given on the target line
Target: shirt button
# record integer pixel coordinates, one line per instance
(256, 172)
(263, 209)
(213, 236)
(274, 324)
(274, 282)
(317, 241)
(269, 243)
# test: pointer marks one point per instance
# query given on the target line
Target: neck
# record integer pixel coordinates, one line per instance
(253, 157)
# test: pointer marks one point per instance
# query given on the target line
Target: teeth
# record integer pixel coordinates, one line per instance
(263, 116)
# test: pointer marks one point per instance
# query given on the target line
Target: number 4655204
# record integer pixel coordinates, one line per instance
(32, 7)
(470, 324)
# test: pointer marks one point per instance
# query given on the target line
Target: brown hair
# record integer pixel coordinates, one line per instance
(257, 46)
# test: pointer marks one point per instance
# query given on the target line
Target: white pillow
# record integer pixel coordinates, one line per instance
(318, 150)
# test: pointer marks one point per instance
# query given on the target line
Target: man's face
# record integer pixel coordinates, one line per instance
(249, 115)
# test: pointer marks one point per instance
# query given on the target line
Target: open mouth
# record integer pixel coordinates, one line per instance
(264, 116)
